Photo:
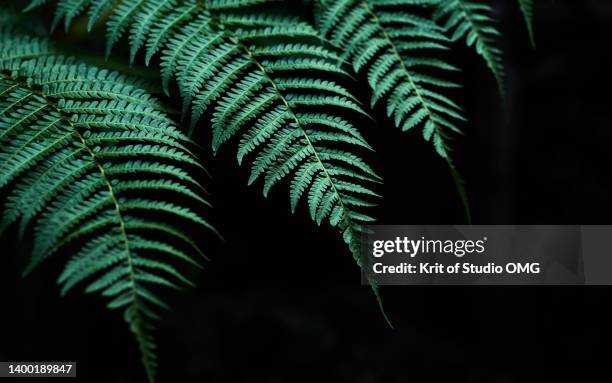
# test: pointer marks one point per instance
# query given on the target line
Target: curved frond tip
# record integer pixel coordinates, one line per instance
(396, 49)
(527, 7)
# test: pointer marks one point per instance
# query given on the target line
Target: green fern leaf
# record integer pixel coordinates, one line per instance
(78, 146)
(473, 21)
(247, 69)
(393, 49)
(527, 10)
(267, 79)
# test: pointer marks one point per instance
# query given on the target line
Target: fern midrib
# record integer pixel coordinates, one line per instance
(235, 39)
(104, 177)
(396, 53)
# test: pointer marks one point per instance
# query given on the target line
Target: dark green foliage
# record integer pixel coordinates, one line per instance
(84, 154)
(401, 45)
(397, 51)
(266, 79)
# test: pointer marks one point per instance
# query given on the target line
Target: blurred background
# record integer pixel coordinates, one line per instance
(281, 299)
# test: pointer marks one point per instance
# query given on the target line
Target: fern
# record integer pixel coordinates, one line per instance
(394, 50)
(269, 80)
(84, 155)
(84, 152)
(527, 10)
(472, 20)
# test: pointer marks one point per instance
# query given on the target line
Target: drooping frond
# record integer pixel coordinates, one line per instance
(396, 49)
(527, 10)
(91, 164)
(273, 97)
(473, 20)
(268, 80)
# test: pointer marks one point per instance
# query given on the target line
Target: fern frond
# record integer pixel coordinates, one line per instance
(270, 80)
(393, 49)
(527, 10)
(473, 20)
(79, 148)
(276, 111)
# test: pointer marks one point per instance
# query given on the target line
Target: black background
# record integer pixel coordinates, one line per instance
(281, 300)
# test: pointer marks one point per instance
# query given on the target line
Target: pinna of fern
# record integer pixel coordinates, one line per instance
(91, 164)
(268, 80)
